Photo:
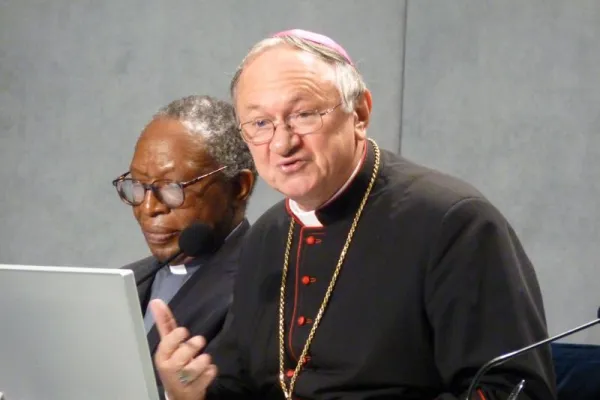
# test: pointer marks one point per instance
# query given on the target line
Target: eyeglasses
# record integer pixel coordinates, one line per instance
(260, 131)
(168, 192)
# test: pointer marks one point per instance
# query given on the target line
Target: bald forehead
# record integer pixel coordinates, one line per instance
(167, 145)
(292, 73)
(163, 134)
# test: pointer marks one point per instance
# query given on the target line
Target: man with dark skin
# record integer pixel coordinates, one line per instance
(190, 165)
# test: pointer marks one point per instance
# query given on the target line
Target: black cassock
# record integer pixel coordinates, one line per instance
(435, 283)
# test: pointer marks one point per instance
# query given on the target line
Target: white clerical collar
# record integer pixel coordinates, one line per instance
(309, 218)
(182, 270)
(178, 269)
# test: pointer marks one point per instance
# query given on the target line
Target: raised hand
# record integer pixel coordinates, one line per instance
(184, 375)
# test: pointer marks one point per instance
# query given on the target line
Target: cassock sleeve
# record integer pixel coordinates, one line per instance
(232, 381)
(482, 299)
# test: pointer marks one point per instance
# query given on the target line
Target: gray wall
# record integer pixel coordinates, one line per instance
(80, 79)
(504, 94)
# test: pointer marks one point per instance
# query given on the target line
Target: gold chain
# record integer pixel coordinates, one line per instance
(288, 391)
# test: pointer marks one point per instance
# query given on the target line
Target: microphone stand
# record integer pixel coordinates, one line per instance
(506, 357)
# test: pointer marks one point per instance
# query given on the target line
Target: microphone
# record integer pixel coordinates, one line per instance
(509, 356)
(195, 240)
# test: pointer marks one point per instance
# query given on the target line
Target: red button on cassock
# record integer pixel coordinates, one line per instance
(301, 321)
(306, 280)
(310, 240)
(289, 373)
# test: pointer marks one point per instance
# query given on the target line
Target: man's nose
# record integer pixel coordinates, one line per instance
(284, 140)
(151, 206)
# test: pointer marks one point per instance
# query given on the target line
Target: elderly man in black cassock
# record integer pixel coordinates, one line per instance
(376, 278)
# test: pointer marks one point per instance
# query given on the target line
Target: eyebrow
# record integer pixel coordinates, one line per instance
(297, 98)
(136, 171)
(133, 170)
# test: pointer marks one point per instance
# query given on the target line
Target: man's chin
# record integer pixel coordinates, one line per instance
(162, 254)
(296, 189)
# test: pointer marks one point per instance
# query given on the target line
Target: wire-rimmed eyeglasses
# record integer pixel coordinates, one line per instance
(261, 130)
(168, 192)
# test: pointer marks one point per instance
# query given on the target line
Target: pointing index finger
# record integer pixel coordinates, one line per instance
(163, 317)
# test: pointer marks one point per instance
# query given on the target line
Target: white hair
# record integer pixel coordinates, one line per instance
(347, 79)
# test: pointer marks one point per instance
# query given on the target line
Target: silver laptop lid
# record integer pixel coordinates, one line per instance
(71, 333)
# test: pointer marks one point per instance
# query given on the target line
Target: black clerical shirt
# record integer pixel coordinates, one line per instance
(435, 283)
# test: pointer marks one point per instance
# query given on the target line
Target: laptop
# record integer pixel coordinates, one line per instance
(69, 333)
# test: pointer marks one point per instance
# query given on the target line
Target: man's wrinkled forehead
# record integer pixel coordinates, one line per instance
(285, 76)
(316, 38)
(164, 140)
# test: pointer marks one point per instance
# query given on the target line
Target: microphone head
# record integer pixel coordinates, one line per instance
(197, 239)
(598, 314)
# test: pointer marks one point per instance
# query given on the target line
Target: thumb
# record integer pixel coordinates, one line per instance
(163, 317)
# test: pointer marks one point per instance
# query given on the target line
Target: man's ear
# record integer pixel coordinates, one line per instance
(362, 114)
(243, 184)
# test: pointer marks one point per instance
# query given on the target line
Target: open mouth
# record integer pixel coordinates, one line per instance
(293, 166)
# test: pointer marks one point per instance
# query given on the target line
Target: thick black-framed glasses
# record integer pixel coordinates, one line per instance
(261, 130)
(168, 192)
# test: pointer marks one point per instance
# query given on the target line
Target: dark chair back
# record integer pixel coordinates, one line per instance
(577, 369)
